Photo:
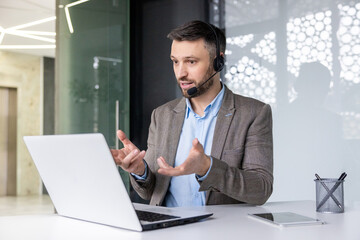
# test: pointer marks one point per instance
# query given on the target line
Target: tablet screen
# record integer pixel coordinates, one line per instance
(286, 218)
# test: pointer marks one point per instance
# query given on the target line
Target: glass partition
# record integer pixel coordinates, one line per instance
(303, 58)
(92, 68)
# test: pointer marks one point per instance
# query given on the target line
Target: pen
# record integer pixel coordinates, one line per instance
(330, 193)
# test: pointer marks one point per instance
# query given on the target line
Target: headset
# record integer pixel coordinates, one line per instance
(219, 62)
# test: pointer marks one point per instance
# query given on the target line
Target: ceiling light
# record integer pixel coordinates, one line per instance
(37, 35)
(18, 33)
(27, 46)
(68, 20)
(2, 37)
(2, 34)
(67, 13)
(75, 3)
(33, 23)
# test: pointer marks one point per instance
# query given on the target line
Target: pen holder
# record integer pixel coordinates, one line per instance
(329, 195)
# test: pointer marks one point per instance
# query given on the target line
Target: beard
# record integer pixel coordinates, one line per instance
(203, 88)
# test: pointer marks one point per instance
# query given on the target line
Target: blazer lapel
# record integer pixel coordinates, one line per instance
(173, 120)
(176, 123)
(224, 118)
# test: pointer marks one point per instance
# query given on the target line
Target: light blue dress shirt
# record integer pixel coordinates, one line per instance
(184, 190)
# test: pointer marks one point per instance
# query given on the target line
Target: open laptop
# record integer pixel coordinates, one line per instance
(83, 182)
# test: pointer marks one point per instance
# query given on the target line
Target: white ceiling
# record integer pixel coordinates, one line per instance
(17, 12)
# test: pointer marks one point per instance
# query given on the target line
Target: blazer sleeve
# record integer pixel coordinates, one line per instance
(252, 180)
(145, 188)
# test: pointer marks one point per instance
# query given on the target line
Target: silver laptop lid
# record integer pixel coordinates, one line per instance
(80, 185)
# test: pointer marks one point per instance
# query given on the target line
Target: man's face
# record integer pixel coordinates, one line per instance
(192, 67)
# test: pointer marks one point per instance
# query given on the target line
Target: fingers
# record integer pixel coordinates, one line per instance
(195, 142)
(121, 135)
(131, 161)
(166, 169)
(196, 162)
(132, 158)
(114, 152)
(197, 145)
(137, 165)
(162, 163)
(127, 143)
(118, 155)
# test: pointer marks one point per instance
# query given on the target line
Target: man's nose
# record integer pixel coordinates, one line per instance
(182, 71)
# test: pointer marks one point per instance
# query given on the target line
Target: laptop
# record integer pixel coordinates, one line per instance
(84, 183)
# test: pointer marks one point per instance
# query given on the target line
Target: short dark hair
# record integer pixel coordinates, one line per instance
(195, 30)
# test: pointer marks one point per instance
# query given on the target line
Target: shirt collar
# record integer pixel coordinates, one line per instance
(213, 108)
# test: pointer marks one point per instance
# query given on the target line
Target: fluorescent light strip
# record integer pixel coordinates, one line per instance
(67, 13)
(68, 19)
(2, 34)
(75, 3)
(17, 33)
(29, 34)
(33, 23)
(39, 33)
(2, 37)
(27, 46)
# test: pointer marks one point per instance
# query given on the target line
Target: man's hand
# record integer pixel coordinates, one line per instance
(129, 157)
(197, 162)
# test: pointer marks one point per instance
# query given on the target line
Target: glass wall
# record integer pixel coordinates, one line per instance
(303, 58)
(92, 67)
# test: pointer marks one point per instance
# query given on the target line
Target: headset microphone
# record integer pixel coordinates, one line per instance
(194, 90)
(219, 62)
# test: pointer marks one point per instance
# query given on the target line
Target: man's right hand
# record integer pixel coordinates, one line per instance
(129, 157)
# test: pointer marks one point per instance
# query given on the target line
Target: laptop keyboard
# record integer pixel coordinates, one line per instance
(153, 217)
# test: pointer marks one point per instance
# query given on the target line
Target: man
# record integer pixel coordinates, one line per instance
(210, 147)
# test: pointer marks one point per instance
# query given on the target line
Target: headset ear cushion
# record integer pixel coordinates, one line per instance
(219, 63)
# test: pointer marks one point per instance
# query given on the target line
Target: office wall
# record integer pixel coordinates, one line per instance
(49, 96)
(303, 58)
(151, 77)
(24, 73)
(8, 116)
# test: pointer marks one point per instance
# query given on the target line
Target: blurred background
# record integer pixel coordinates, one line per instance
(98, 65)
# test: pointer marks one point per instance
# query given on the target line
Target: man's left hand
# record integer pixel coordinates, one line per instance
(197, 162)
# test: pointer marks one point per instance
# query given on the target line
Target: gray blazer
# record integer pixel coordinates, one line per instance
(242, 152)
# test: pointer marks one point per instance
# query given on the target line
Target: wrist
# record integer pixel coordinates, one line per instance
(142, 169)
(206, 166)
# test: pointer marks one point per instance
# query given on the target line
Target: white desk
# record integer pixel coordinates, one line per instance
(228, 222)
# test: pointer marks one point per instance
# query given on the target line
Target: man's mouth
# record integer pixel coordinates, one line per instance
(186, 85)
